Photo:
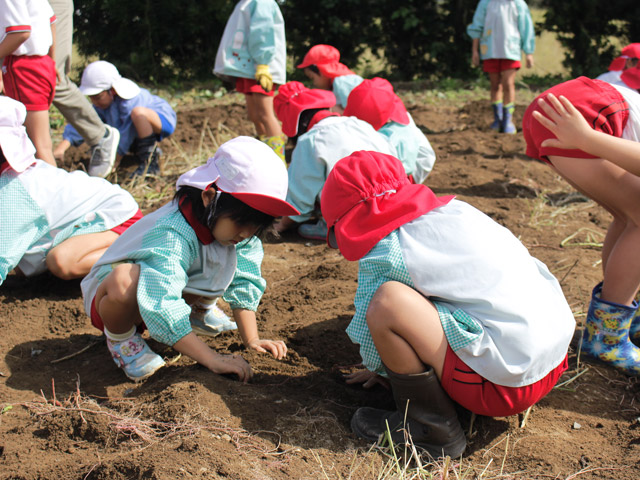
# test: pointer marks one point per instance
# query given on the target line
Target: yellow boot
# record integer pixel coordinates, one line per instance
(277, 143)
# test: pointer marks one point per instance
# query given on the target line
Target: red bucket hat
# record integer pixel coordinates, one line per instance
(327, 59)
(293, 98)
(631, 77)
(375, 102)
(366, 196)
(630, 51)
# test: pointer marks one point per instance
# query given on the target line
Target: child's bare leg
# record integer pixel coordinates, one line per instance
(508, 82)
(261, 113)
(37, 125)
(495, 87)
(619, 192)
(74, 257)
(146, 121)
(406, 329)
(116, 299)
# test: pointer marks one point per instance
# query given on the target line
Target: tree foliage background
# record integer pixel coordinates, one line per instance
(165, 41)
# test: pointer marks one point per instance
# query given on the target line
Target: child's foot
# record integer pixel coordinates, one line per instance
(149, 167)
(210, 321)
(135, 357)
(313, 231)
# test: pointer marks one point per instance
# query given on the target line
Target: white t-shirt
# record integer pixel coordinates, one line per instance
(35, 16)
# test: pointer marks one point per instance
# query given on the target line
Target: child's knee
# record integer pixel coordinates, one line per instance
(58, 264)
(121, 284)
(381, 307)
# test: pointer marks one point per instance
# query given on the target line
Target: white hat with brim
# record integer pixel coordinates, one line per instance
(15, 144)
(250, 171)
(100, 76)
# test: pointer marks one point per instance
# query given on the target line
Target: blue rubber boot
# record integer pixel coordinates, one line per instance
(497, 116)
(634, 329)
(507, 119)
(606, 334)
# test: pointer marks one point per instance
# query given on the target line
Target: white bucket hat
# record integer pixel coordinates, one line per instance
(100, 76)
(250, 171)
(15, 144)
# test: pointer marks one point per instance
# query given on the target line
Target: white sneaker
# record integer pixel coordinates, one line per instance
(210, 321)
(103, 155)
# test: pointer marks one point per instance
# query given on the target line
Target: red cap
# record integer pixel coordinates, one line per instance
(327, 59)
(293, 98)
(630, 51)
(375, 102)
(631, 77)
(366, 196)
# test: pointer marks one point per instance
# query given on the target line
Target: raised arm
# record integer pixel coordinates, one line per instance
(573, 131)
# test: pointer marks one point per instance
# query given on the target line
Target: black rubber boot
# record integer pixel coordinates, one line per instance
(431, 418)
(147, 151)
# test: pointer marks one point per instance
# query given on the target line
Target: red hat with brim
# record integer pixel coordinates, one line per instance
(327, 59)
(631, 77)
(366, 196)
(375, 102)
(293, 98)
(630, 51)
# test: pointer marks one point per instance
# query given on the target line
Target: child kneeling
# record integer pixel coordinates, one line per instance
(449, 305)
(200, 246)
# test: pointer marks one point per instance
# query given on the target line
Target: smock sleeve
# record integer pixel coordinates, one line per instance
(167, 255)
(525, 26)
(476, 27)
(262, 35)
(71, 135)
(247, 286)
(307, 175)
(21, 227)
(382, 264)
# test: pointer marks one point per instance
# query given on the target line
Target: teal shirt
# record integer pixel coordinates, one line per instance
(504, 28)
(342, 87)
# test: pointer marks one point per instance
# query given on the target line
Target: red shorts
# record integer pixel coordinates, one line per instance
(123, 226)
(30, 79)
(495, 65)
(248, 85)
(601, 105)
(482, 397)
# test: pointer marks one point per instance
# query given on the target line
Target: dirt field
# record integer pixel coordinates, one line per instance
(80, 418)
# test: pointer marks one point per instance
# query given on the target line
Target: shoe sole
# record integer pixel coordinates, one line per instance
(209, 333)
(144, 377)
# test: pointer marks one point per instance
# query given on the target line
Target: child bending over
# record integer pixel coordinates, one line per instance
(603, 169)
(52, 219)
(141, 118)
(322, 66)
(450, 306)
(201, 246)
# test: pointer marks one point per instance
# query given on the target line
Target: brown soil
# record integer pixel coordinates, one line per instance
(81, 418)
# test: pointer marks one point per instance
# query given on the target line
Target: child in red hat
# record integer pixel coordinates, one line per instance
(321, 139)
(602, 166)
(201, 246)
(375, 102)
(322, 66)
(253, 54)
(449, 305)
(628, 58)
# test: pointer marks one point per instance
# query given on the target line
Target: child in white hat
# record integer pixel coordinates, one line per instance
(201, 246)
(50, 218)
(143, 119)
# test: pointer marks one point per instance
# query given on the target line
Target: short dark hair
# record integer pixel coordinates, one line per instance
(2, 157)
(226, 206)
(304, 120)
(314, 69)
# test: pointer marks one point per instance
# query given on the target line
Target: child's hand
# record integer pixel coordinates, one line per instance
(475, 58)
(564, 120)
(529, 60)
(367, 378)
(232, 364)
(277, 347)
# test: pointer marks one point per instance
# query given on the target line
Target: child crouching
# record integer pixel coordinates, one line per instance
(202, 245)
(449, 305)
